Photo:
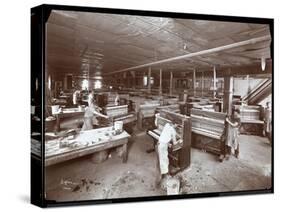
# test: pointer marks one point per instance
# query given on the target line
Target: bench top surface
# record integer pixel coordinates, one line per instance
(84, 140)
(69, 111)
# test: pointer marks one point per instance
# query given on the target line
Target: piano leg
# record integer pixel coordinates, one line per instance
(223, 150)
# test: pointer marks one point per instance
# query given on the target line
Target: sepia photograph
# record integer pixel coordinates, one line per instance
(141, 104)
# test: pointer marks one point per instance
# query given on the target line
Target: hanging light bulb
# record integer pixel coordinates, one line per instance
(263, 63)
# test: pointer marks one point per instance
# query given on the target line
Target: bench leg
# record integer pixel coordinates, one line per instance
(139, 121)
(124, 153)
(57, 126)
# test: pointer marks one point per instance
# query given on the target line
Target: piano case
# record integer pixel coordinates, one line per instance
(208, 131)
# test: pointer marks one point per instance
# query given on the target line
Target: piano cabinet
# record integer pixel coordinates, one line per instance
(179, 153)
(146, 115)
(209, 131)
(251, 119)
(210, 145)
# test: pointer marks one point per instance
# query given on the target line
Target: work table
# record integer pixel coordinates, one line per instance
(84, 143)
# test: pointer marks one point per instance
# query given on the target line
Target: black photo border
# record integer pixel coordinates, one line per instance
(42, 13)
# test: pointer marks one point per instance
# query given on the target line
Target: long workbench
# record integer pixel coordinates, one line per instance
(84, 143)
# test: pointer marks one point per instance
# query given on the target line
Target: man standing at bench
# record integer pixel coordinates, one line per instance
(167, 135)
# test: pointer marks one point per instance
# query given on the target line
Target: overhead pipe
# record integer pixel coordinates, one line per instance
(194, 54)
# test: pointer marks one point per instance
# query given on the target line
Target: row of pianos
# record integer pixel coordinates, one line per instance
(205, 130)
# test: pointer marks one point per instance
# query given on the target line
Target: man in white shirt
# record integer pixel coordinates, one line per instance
(167, 135)
(91, 97)
(116, 101)
(75, 97)
(90, 116)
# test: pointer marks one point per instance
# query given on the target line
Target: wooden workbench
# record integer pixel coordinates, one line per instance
(85, 143)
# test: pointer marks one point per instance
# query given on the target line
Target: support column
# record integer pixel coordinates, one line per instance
(214, 81)
(227, 97)
(125, 80)
(194, 82)
(160, 82)
(134, 79)
(202, 83)
(171, 83)
(248, 84)
(148, 80)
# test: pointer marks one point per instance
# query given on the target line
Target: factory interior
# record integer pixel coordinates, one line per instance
(112, 84)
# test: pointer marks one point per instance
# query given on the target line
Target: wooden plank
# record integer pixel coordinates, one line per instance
(199, 53)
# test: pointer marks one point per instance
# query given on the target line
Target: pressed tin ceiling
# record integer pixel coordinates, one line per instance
(110, 42)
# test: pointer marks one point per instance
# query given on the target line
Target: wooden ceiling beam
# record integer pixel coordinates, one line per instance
(199, 53)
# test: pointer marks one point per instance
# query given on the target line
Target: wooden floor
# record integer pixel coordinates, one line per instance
(80, 179)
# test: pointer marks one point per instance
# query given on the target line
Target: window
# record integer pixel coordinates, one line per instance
(97, 84)
(85, 84)
(145, 81)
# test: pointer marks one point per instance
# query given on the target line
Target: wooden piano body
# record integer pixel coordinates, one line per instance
(173, 108)
(209, 104)
(111, 96)
(113, 111)
(170, 100)
(126, 118)
(179, 153)
(250, 118)
(146, 114)
(250, 113)
(208, 131)
(120, 113)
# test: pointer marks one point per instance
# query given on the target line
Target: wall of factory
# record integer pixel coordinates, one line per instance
(243, 86)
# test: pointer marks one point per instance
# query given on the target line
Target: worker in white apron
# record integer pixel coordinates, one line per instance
(232, 143)
(90, 115)
(116, 100)
(75, 97)
(90, 97)
(268, 121)
(167, 135)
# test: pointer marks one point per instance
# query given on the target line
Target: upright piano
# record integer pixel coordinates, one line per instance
(208, 131)
(179, 152)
